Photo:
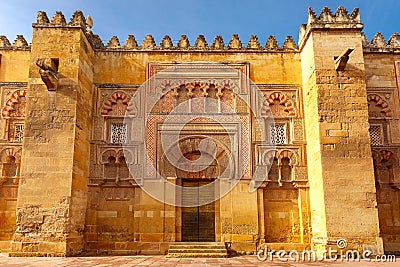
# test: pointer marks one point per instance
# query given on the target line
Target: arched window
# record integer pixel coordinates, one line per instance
(123, 172)
(110, 168)
(115, 110)
(199, 96)
(10, 169)
(273, 173)
(116, 169)
(197, 101)
(286, 170)
(281, 166)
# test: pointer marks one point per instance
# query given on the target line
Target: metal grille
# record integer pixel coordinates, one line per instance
(19, 133)
(375, 131)
(119, 133)
(278, 134)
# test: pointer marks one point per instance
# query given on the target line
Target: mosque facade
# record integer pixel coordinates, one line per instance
(129, 148)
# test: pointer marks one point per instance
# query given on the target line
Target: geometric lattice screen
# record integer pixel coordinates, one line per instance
(119, 133)
(19, 133)
(375, 132)
(278, 134)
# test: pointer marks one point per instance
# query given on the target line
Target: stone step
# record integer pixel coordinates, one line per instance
(196, 247)
(197, 250)
(198, 244)
(197, 255)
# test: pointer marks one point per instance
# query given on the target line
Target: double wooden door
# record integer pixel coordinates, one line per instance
(198, 221)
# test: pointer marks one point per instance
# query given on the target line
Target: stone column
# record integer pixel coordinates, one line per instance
(340, 167)
(52, 198)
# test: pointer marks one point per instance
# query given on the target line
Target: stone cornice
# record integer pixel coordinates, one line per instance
(14, 84)
(278, 86)
(110, 85)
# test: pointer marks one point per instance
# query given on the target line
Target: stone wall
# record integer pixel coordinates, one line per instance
(74, 198)
(382, 79)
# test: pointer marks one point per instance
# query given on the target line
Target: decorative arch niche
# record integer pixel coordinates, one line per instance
(278, 105)
(10, 165)
(378, 106)
(14, 114)
(15, 105)
(118, 105)
(282, 164)
(386, 167)
(191, 148)
(116, 167)
(387, 180)
(281, 208)
(195, 92)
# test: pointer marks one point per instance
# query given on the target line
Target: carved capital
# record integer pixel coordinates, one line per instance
(300, 184)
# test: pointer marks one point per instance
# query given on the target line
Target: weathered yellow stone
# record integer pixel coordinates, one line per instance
(66, 189)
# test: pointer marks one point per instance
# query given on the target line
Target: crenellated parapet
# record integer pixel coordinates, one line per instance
(342, 19)
(253, 43)
(184, 42)
(379, 43)
(4, 42)
(235, 42)
(19, 43)
(114, 42)
(218, 43)
(200, 44)
(59, 19)
(130, 42)
(97, 42)
(77, 20)
(148, 43)
(166, 42)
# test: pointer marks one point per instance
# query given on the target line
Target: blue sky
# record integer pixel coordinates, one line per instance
(194, 17)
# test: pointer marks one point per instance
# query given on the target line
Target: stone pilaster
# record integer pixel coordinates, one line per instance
(52, 198)
(340, 167)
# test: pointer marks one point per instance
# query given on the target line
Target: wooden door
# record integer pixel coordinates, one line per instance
(198, 222)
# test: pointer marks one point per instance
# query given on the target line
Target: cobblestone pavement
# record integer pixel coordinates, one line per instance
(162, 261)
